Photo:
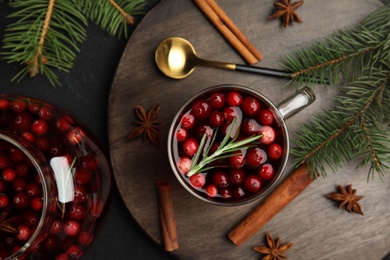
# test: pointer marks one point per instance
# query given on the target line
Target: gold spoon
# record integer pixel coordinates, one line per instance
(176, 58)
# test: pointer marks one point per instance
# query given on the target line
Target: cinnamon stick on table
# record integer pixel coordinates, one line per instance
(167, 216)
(291, 187)
(229, 30)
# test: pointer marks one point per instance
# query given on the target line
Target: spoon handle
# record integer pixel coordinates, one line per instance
(273, 72)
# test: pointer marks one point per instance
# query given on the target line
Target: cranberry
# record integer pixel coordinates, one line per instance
(42, 143)
(19, 184)
(268, 134)
(16, 155)
(237, 161)
(21, 200)
(56, 227)
(230, 113)
(8, 174)
(80, 194)
(23, 232)
(234, 98)
(250, 127)
(202, 130)
(55, 149)
(73, 251)
(238, 192)
(63, 256)
(85, 238)
(33, 189)
(184, 164)
(33, 107)
(225, 193)
(45, 113)
(88, 162)
(3, 161)
(181, 134)
(4, 104)
(75, 135)
(72, 228)
(250, 106)
(51, 243)
(18, 106)
(211, 190)
(220, 179)
(39, 127)
(83, 176)
(187, 121)
(237, 176)
(190, 147)
(62, 124)
(266, 172)
(28, 136)
(217, 100)
(36, 203)
(266, 117)
(4, 201)
(30, 218)
(22, 169)
(252, 183)
(198, 180)
(77, 212)
(201, 109)
(256, 156)
(216, 118)
(274, 151)
(23, 121)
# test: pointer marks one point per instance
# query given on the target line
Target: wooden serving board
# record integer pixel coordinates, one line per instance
(316, 227)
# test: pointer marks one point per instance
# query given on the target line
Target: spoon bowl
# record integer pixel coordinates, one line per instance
(176, 58)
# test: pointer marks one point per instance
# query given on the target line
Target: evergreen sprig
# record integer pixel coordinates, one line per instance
(357, 127)
(44, 34)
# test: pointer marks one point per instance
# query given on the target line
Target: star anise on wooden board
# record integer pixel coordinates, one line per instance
(148, 126)
(274, 251)
(347, 196)
(286, 12)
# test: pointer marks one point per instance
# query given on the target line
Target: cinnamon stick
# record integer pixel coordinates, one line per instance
(229, 30)
(167, 216)
(291, 187)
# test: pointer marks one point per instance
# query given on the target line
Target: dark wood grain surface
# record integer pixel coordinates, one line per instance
(316, 227)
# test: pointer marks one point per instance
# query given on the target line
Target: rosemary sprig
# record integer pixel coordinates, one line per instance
(225, 150)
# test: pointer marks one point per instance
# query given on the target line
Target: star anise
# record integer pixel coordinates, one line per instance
(346, 196)
(286, 12)
(148, 126)
(274, 251)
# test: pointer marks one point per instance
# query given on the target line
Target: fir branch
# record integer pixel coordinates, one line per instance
(113, 16)
(44, 36)
(346, 52)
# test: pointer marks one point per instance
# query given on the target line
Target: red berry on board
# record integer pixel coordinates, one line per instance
(234, 98)
(187, 121)
(237, 176)
(181, 134)
(201, 109)
(184, 164)
(255, 157)
(268, 134)
(266, 117)
(250, 106)
(217, 100)
(198, 180)
(190, 147)
(266, 172)
(275, 151)
(252, 183)
(220, 179)
(211, 190)
(39, 127)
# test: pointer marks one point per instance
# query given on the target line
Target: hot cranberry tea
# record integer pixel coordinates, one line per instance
(228, 145)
